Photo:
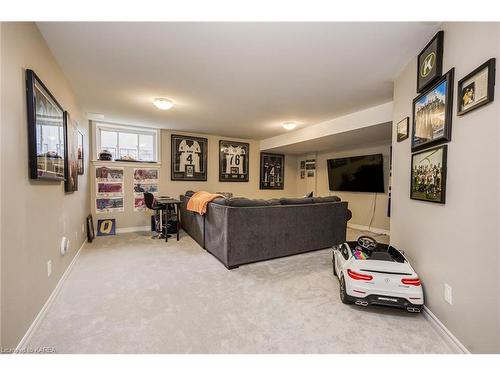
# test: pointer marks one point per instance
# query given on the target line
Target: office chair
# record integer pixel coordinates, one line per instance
(150, 202)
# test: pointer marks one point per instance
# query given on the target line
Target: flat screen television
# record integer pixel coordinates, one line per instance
(358, 174)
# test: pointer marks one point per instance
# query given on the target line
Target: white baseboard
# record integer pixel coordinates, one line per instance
(369, 229)
(31, 330)
(449, 337)
(134, 229)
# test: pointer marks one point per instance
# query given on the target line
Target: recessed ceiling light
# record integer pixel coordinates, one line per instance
(163, 103)
(289, 125)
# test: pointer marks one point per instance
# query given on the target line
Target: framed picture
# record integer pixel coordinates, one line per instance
(432, 113)
(302, 174)
(302, 164)
(428, 175)
(311, 164)
(90, 229)
(71, 154)
(81, 160)
(46, 131)
(233, 161)
(272, 171)
(403, 128)
(430, 62)
(106, 227)
(477, 88)
(189, 158)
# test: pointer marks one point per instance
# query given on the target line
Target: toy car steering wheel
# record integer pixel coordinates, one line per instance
(367, 243)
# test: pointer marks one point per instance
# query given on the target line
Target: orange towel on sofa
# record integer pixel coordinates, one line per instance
(200, 200)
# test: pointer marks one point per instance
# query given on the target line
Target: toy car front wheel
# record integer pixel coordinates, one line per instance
(343, 295)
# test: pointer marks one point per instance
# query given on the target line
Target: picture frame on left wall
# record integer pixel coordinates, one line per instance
(46, 131)
(71, 154)
(81, 153)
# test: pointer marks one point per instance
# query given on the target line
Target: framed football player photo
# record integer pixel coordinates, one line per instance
(430, 62)
(233, 161)
(272, 171)
(189, 158)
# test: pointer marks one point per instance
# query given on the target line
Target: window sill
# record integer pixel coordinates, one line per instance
(126, 163)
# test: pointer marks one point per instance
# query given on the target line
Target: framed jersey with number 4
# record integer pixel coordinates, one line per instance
(233, 161)
(189, 158)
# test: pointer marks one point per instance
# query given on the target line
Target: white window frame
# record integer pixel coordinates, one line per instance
(99, 126)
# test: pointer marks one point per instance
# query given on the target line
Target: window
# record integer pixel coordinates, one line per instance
(125, 142)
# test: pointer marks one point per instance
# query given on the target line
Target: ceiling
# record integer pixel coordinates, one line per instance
(232, 79)
(362, 137)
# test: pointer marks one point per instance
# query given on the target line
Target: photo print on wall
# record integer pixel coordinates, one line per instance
(233, 161)
(189, 158)
(428, 175)
(109, 189)
(46, 131)
(432, 113)
(477, 88)
(145, 181)
(402, 129)
(71, 154)
(272, 171)
(81, 160)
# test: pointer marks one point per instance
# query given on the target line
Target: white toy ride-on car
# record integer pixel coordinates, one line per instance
(376, 274)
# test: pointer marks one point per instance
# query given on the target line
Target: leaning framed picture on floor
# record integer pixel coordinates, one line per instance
(233, 161)
(189, 158)
(272, 171)
(432, 113)
(428, 175)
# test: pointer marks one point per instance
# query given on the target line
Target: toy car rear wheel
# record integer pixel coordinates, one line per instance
(343, 295)
(334, 268)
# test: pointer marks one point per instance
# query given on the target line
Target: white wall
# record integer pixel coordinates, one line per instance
(363, 206)
(456, 243)
(34, 214)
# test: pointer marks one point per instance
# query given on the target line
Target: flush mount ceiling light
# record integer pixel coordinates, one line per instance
(163, 103)
(289, 125)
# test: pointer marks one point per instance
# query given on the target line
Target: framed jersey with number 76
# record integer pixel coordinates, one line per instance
(233, 161)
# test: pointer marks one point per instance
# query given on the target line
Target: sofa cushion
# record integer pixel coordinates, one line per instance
(189, 193)
(274, 202)
(220, 200)
(332, 198)
(245, 202)
(290, 201)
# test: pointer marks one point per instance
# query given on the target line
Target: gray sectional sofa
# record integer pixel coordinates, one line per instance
(239, 231)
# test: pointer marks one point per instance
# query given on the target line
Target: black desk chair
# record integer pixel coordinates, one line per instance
(151, 203)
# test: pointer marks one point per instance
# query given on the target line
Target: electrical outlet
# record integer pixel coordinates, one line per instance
(448, 296)
(83, 228)
(49, 268)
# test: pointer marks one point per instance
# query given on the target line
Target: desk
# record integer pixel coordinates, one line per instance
(165, 202)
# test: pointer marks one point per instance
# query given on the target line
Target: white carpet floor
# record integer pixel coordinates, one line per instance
(133, 294)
